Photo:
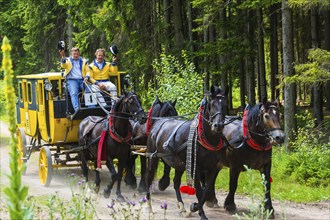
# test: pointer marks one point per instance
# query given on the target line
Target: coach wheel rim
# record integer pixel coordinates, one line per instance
(45, 166)
(21, 147)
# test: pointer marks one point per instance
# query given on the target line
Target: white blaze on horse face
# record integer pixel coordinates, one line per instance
(274, 111)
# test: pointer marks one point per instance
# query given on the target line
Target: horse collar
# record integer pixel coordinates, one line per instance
(201, 136)
(249, 139)
(116, 136)
(148, 124)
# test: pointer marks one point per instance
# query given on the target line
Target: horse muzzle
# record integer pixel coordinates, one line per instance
(217, 127)
(277, 136)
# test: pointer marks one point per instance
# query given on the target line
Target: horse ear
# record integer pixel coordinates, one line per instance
(277, 102)
(226, 90)
(264, 100)
(123, 92)
(212, 89)
(173, 103)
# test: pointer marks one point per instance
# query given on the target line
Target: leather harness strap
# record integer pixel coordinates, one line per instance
(249, 140)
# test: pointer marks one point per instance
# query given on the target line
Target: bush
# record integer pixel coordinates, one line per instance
(176, 80)
(309, 163)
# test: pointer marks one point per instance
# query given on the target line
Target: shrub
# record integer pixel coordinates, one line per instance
(309, 163)
(176, 80)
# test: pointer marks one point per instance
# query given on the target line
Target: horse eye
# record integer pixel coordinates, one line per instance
(267, 116)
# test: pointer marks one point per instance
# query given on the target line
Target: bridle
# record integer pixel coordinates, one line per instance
(126, 108)
(266, 132)
(209, 121)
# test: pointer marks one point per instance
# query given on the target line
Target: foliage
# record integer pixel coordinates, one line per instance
(15, 193)
(315, 71)
(308, 4)
(181, 78)
(2, 98)
(256, 208)
(309, 163)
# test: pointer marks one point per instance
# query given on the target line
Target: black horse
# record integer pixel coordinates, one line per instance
(140, 134)
(251, 141)
(169, 139)
(115, 132)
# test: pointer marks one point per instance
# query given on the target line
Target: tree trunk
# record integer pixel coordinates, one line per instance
(177, 21)
(70, 32)
(261, 57)
(275, 93)
(222, 33)
(190, 27)
(327, 47)
(288, 58)
(167, 24)
(250, 76)
(206, 70)
(317, 88)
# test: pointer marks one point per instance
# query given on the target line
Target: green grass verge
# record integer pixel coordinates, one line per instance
(283, 187)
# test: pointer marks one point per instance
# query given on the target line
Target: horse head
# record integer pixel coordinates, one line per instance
(132, 105)
(168, 109)
(269, 114)
(217, 108)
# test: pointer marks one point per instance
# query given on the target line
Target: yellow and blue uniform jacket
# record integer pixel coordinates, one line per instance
(102, 74)
(67, 65)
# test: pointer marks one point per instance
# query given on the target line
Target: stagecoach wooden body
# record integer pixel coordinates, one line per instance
(44, 116)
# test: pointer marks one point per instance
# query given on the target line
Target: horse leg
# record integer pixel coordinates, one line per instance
(152, 164)
(164, 182)
(83, 165)
(97, 178)
(177, 182)
(121, 164)
(113, 174)
(230, 200)
(142, 184)
(210, 199)
(200, 194)
(130, 178)
(268, 200)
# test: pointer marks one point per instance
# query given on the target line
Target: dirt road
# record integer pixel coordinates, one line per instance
(59, 184)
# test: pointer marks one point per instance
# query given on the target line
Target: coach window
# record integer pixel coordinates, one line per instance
(29, 92)
(20, 92)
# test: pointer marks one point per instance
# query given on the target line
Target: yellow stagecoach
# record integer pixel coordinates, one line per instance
(44, 114)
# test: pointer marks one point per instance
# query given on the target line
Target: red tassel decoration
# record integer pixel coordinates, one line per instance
(270, 179)
(187, 190)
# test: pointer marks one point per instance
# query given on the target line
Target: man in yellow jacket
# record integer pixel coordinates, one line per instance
(76, 69)
(100, 72)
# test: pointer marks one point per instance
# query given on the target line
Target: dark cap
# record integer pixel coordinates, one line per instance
(114, 50)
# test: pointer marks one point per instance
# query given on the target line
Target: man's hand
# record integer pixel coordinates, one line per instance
(102, 86)
(62, 53)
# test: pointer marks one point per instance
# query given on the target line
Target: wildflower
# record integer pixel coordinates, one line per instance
(110, 205)
(163, 206)
(132, 203)
(72, 174)
(143, 200)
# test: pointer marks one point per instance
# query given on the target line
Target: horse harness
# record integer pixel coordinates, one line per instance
(246, 138)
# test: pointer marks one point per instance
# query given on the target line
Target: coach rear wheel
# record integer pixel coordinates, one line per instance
(21, 148)
(45, 166)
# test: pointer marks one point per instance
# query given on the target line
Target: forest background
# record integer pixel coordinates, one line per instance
(177, 49)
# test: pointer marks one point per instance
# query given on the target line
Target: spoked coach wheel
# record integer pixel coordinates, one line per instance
(45, 166)
(21, 148)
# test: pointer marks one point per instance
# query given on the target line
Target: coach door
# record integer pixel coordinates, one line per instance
(43, 119)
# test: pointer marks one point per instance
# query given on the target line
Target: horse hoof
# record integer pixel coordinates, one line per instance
(142, 188)
(97, 189)
(194, 207)
(106, 193)
(203, 217)
(120, 199)
(209, 204)
(163, 183)
(230, 208)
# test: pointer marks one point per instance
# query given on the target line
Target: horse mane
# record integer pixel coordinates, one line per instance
(254, 112)
(119, 101)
